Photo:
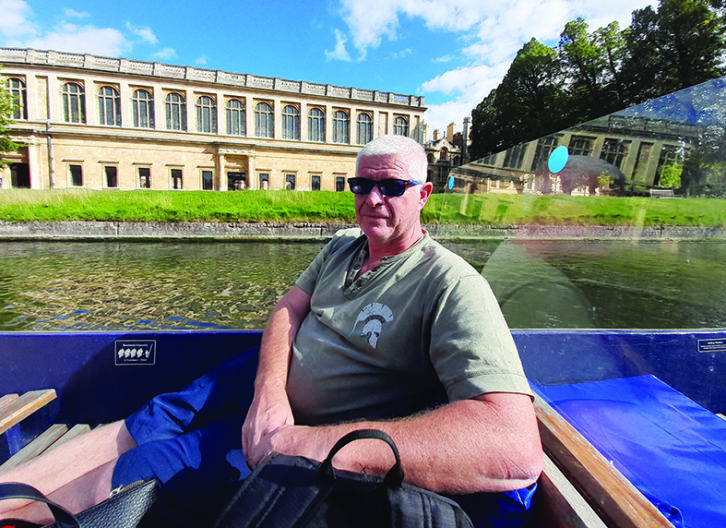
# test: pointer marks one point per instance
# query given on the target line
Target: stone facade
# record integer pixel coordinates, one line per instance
(106, 123)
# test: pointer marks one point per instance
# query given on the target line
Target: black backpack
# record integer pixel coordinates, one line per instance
(286, 491)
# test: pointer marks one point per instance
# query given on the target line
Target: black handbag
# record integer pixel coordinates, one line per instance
(286, 491)
(125, 509)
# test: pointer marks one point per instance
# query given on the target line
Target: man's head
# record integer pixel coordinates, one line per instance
(391, 221)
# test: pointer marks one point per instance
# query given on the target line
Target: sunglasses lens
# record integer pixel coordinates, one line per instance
(360, 185)
(392, 187)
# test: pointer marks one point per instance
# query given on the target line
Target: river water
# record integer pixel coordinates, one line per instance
(59, 286)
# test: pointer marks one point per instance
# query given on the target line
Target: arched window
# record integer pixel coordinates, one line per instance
(176, 112)
(290, 122)
(236, 125)
(400, 126)
(341, 126)
(109, 106)
(74, 103)
(16, 87)
(316, 125)
(143, 107)
(365, 128)
(264, 121)
(206, 115)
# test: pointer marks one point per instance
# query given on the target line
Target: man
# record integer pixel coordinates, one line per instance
(385, 329)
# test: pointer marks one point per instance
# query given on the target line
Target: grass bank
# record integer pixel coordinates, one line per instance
(19, 205)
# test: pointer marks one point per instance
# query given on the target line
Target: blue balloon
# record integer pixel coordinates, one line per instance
(451, 182)
(558, 159)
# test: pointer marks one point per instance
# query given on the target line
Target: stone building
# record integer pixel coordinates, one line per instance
(107, 123)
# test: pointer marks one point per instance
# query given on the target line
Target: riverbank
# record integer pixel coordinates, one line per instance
(149, 231)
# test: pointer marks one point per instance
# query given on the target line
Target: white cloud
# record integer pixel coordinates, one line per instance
(403, 53)
(201, 61)
(339, 53)
(72, 13)
(107, 42)
(165, 54)
(15, 19)
(491, 34)
(144, 33)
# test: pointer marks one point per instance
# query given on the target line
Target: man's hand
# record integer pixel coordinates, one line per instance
(266, 415)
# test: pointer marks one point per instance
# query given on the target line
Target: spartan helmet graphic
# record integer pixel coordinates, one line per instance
(373, 316)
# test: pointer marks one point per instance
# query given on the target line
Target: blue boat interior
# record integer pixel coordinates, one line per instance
(649, 401)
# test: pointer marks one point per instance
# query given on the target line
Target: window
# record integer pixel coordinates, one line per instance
(514, 157)
(176, 112)
(545, 146)
(614, 151)
(340, 127)
(143, 107)
(264, 122)
(206, 115)
(444, 154)
(580, 146)
(177, 182)
(111, 176)
(264, 179)
(289, 182)
(74, 103)
(109, 106)
(16, 87)
(290, 122)
(315, 182)
(144, 178)
(236, 125)
(316, 125)
(76, 175)
(207, 180)
(400, 126)
(236, 181)
(365, 128)
(339, 183)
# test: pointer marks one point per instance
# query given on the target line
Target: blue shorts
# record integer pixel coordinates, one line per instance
(191, 441)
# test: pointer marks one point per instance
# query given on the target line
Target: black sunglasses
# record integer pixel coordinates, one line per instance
(389, 187)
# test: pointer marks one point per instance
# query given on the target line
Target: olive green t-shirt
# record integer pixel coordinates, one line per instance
(420, 330)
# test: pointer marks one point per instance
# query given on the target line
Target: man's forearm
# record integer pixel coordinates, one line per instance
(485, 444)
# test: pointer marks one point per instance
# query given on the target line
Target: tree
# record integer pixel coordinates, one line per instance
(6, 110)
(680, 45)
(524, 106)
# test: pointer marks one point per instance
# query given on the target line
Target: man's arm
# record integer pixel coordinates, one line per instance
(487, 443)
(270, 408)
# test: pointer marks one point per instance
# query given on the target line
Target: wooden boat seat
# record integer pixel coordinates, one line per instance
(15, 408)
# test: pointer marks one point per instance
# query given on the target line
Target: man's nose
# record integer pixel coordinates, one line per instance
(375, 197)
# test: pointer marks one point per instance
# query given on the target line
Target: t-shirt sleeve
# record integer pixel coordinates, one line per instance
(472, 348)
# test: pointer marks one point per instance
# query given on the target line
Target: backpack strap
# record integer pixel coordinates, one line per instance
(394, 477)
(17, 490)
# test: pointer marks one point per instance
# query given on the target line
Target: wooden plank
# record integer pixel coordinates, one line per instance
(7, 398)
(76, 430)
(618, 503)
(557, 504)
(36, 446)
(19, 408)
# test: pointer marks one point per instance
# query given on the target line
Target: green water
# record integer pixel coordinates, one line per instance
(140, 286)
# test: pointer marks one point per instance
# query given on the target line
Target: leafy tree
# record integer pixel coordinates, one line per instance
(6, 110)
(680, 45)
(524, 106)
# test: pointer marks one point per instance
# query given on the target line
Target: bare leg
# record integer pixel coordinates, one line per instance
(76, 474)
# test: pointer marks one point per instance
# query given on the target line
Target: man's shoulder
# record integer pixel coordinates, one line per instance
(446, 260)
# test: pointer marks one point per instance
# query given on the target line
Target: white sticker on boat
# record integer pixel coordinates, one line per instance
(709, 346)
(134, 352)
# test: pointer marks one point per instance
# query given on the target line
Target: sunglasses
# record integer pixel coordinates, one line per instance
(389, 187)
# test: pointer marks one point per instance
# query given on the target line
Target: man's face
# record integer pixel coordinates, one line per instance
(389, 220)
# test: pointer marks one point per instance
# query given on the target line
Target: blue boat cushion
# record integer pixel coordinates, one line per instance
(669, 447)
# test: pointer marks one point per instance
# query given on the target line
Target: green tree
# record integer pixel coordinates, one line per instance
(524, 106)
(680, 45)
(6, 110)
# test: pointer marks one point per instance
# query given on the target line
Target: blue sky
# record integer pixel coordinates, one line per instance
(452, 52)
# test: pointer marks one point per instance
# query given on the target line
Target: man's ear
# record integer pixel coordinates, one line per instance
(425, 192)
